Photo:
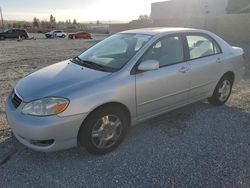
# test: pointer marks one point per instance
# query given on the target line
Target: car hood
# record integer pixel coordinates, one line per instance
(54, 79)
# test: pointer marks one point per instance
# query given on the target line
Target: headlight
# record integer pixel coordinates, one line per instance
(46, 106)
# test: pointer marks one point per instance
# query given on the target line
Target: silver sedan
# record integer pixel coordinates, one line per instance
(91, 100)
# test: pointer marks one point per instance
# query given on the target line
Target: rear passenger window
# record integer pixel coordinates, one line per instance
(201, 46)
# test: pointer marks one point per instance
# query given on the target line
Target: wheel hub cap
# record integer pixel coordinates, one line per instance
(224, 90)
(106, 131)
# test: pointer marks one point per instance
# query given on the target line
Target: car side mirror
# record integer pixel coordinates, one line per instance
(148, 65)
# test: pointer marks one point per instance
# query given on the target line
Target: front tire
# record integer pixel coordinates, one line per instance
(103, 130)
(222, 91)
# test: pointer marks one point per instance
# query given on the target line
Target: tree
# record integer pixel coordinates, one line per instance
(36, 22)
(98, 22)
(69, 21)
(45, 24)
(18, 25)
(27, 25)
(14, 25)
(144, 17)
(52, 21)
(74, 22)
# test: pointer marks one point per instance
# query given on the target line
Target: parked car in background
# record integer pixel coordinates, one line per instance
(56, 34)
(13, 34)
(80, 35)
(92, 99)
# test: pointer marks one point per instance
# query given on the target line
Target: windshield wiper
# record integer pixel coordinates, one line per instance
(95, 65)
(90, 64)
(76, 59)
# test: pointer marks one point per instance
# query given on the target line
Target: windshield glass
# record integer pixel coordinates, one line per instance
(115, 51)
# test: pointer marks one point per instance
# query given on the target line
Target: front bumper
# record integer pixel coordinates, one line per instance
(45, 134)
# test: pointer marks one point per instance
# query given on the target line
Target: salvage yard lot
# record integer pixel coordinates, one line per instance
(196, 146)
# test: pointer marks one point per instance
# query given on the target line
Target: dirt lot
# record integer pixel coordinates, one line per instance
(197, 146)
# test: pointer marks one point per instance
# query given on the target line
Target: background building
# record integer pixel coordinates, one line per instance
(187, 8)
(238, 6)
(223, 17)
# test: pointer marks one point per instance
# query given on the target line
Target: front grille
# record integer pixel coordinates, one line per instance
(16, 101)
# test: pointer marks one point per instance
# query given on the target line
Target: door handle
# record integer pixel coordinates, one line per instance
(184, 69)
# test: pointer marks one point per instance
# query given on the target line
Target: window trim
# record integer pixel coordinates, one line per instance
(134, 70)
(202, 35)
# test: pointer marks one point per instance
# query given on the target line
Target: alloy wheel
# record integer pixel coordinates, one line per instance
(106, 132)
(224, 90)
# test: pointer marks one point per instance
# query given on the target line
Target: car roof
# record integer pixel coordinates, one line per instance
(160, 30)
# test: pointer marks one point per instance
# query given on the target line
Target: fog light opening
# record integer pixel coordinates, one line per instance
(42, 143)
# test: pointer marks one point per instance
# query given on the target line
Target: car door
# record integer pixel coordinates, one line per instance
(57, 33)
(85, 35)
(17, 33)
(9, 33)
(205, 63)
(81, 35)
(166, 88)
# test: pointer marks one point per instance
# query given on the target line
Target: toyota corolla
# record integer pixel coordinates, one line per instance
(91, 100)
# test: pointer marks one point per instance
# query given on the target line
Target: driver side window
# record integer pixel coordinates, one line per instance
(167, 51)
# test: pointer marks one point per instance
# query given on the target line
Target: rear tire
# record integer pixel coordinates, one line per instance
(222, 91)
(2, 38)
(103, 130)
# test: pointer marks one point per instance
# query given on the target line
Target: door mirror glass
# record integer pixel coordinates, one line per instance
(149, 65)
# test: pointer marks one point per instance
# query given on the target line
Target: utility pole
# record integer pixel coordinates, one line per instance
(1, 17)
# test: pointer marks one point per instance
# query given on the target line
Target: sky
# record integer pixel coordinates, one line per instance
(81, 10)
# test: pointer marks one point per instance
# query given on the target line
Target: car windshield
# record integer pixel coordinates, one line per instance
(115, 51)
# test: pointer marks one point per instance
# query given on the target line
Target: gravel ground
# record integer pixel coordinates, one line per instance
(196, 146)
